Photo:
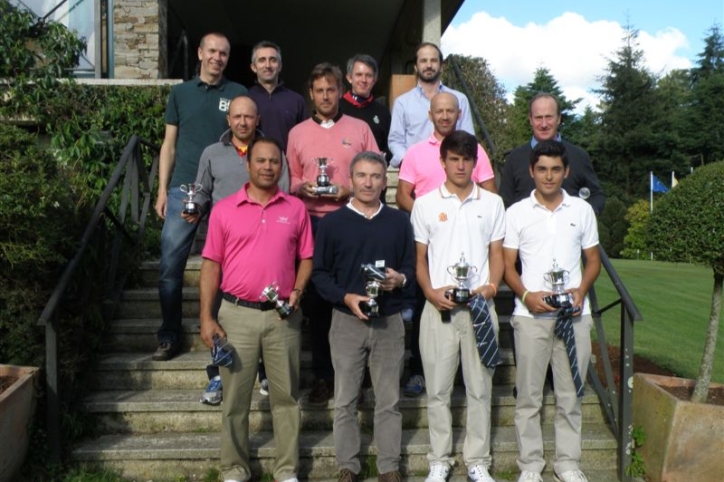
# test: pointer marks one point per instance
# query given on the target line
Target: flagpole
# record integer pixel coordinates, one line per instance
(651, 191)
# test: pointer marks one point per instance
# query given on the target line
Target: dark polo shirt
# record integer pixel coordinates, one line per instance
(199, 110)
(280, 111)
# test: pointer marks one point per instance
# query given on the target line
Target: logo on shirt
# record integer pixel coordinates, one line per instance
(283, 220)
(346, 142)
(376, 120)
(224, 104)
(442, 217)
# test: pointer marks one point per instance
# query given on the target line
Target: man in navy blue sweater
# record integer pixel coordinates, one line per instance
(366, 232)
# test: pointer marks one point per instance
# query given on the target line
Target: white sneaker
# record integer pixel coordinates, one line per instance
(438, 472)
(478, 473)
(570, 476)
(528, 476)
(292, 479)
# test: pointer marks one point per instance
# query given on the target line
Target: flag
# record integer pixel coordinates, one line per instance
(657, 186)
(674, 181)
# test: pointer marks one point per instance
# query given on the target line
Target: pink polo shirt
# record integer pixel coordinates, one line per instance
(421, 166)
(257, 245)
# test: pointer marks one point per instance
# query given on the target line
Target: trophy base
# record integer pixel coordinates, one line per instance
(191, 208)
(284, 310)
(370, 310)
(460, 296)
(319, 190)
(560, 300)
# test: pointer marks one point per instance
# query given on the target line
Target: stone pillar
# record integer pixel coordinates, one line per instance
(140, 39)
(431, 21)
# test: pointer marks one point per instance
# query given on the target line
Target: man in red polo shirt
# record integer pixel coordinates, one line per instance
(257, 237)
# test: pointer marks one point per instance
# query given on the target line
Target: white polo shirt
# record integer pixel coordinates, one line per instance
(541, 236)
(450, 227)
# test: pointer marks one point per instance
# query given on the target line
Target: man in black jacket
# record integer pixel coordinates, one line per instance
(545, 118)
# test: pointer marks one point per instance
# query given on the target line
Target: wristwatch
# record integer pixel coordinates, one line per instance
(404, 281)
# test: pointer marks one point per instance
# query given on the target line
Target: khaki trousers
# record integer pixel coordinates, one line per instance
(443, 345)
(536, 346)
(256, 334)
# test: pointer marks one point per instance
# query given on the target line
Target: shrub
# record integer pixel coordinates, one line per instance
(688, 226)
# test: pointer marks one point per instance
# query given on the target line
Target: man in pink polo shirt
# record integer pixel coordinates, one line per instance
(257, 237)
(421, 172)
(338, 138)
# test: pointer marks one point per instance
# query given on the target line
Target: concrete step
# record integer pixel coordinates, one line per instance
(147, 275)
(180, 411)
(137, 371)
(171, 456)
(128, 335)
(143, 303)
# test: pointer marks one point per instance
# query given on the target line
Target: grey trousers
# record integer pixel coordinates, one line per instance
(256, 334)
(353, 342)
(443, 345)
(536, 346)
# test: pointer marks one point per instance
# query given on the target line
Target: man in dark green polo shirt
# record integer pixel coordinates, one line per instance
(195, 118)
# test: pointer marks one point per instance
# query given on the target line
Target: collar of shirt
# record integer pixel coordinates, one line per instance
(327, 124)
(432, 139)
(277, 87)
(357, 100)
(241, 150)
(354, 209)
(242, 197)
(474, 194)
(534, 141)
(219, 85)
(440, 87)
(564, 203)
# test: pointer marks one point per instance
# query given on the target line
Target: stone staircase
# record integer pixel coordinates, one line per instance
(149, 424)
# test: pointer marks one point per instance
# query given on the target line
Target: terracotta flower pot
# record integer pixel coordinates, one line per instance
(17, 408)
(684, 440)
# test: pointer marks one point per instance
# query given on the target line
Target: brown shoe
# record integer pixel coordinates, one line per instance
(165, 351)
(346, 475)
(394, 476)
(322, 392)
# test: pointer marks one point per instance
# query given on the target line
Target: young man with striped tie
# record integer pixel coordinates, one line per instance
(549, 230)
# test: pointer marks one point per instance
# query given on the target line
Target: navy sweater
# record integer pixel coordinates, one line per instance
(346, 240)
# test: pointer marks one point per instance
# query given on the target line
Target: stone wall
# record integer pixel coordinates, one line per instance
(140, 38)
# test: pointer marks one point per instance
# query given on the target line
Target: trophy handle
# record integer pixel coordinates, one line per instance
(451, 273)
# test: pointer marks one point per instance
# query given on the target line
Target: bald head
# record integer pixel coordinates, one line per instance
(444, 114)
(243, 117)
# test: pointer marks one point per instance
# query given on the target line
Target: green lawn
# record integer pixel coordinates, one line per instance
(674, 300)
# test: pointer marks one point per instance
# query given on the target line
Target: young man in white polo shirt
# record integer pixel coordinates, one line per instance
(549, 227)
(458, 217)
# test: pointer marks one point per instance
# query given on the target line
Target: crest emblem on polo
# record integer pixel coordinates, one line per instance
(191, 206)
(461, 273)
(271, 294)
(324, 186)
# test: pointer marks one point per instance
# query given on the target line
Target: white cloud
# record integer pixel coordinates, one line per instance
(574, 50)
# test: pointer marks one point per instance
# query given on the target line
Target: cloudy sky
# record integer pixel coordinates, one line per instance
(574, 39)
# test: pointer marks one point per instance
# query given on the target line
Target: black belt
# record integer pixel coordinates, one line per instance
(262, 306)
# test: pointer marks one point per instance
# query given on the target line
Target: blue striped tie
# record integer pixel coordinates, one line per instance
(564, 331)
(484, 332)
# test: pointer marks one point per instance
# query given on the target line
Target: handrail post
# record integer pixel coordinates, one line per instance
(625, 411)
(51, 391)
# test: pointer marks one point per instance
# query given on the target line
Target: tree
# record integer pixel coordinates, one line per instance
(612, 227)
(542, 81)
(688, 226)
(705, 133)
(627, 98)
(634, 243)
(489, 96)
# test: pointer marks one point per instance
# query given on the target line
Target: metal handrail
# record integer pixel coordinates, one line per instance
(136, 191)
(617, 406)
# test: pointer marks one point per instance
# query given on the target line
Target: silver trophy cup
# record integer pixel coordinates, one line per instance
(190, 206)
(461, 272)
(373, 277)
(324, 185)
(271, 293)
(557, 278)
